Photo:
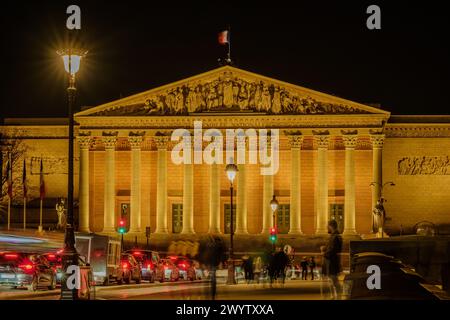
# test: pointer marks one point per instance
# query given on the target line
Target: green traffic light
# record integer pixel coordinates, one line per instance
(122, 230)
(273, 238)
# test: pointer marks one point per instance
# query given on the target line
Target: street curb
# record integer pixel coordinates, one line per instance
(101, 288)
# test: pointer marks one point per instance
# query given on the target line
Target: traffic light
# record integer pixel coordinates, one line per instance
(122, 226)
(273, 235)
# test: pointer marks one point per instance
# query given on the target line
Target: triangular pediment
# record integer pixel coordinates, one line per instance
(229, 90)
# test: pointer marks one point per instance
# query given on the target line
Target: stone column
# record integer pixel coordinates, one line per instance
(135, 196)
(109, 214)
(267, 197)
(84, 143)
(322, 184)
(377, 157)
(214, 199)
(241, 202)
(350, 141)
(161, 184)
(295, 202)
(188, 195)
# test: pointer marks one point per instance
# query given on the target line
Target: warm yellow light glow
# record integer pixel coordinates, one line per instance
(72, 60)
(231, 170)
(274, 204)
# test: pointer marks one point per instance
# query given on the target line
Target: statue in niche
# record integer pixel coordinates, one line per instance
(379, 217)
(276, 101)
(61, 212)
(258, 97)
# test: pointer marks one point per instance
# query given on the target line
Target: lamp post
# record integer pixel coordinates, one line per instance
(72, 59)
(231, 170)
(274, 207)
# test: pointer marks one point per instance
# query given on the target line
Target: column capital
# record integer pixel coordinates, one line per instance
(161, 141)
(135, 141)
(350, 141)
(295, 141)
(109, 141)
(322, 140)
(84, 141)
(377, 140)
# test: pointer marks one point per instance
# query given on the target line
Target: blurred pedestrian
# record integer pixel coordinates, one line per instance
(257, 268)
(312, 266)
(331, 258)
(247, 265)
(304, 265)
(212, 254)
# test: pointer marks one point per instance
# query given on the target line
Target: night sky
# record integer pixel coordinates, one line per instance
(135, 46)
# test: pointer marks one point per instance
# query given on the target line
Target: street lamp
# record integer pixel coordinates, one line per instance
(72, 59)
(231, 170)
(273, 233)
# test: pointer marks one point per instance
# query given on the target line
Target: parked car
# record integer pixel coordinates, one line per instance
(148, 260)
(54, 259)
(28, 270)
(185, 266)
(131, 270)
(167, 271)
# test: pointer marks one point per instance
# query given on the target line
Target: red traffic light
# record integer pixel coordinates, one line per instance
(273, 230)
(122, 222)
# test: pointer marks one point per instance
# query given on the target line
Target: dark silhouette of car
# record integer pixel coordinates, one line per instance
(185, 267)
(130, 268)
(167, 271)
(28, 270)
(148, 260)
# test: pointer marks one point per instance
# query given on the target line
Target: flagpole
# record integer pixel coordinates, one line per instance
(24, 213)
(40, 217)
(9, 212)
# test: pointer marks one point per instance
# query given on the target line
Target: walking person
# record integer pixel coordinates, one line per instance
(331, 258)
(304, 265)
(248, 269)
(312, 266)
(257, 268)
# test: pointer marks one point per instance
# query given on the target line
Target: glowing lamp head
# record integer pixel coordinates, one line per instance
(72, 59)
(274, 204)
(231, 170)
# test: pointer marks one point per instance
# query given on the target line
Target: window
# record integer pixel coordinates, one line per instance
(227, 217)
(337, 213)
(177, 217)
(283, 218)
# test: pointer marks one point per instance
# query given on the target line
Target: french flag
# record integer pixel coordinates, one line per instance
(224, 37)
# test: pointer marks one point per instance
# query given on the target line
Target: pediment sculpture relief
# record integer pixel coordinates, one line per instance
(228, 93)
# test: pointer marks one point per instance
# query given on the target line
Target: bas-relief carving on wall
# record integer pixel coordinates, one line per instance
(229, 93)
(424, 165)
(51, 165)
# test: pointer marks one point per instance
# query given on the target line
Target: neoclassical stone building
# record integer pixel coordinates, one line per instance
(330, 151)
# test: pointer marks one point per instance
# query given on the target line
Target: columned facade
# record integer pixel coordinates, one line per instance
(316, 178)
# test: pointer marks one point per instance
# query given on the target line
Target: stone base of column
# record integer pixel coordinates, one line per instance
(135, 231)
(84, 229)
(214, 231)
(161, 231)
(350, 232)
(241, 231)
(321, 232)
(109, 230)
(296, 232)
(188, 232)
